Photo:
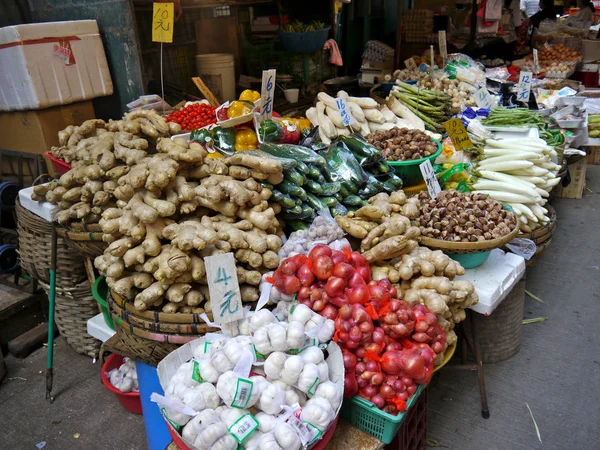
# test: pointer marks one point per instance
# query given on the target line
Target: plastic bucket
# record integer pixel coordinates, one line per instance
(8, 195)
(157, 433)
(217, 70)
(99, 292)
(9, 260)
(471, 260)
(129, 400)
(291, 95)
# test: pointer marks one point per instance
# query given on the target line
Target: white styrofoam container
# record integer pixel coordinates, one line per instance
(36, 70)
(43, 209)
(96, 327)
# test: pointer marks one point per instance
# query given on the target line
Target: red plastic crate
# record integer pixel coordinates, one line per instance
(60, 166)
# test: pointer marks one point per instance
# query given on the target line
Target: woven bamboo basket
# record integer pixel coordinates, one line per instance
(468, 247)
(501, 333)
(133, 318)
(35, 250)
(74, 307)
(147, 350)
(542, 234)
(83, 238)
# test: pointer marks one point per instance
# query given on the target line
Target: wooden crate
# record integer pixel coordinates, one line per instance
(575, 188)
(593, 155)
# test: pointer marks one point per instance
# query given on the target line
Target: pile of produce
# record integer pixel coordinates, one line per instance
(549, 56)
(594, 125)
(124, 378)
(464, 217)
(433, 108)
(520, 173)
(194, 116)
(100, 154)
(402, 144)
(175, 208)
(267, 388)
(514, 117)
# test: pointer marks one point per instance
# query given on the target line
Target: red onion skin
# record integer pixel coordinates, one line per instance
(437, 347)
(404, 396)
(411, 389)
(387, 392)
(361, 367)
(306, 277)
(345, 312)
(350, 360)
(356, 280)
(357, 260)
(399, 386)
(378, 401)
(360, 352)
(344, 271)
(378, 335)
(421, 337)
(287, 267)
(323, 267)
(338, 257)
(362, 383)
(291, 285)
(364, 272)
(370, 391)
(319, 250)
(319, 305)
(407, 381)
(359, 295)
(350, 385)
(377, 378)
(335, 287)
(372, 366)
(330, 312)
(421, 327)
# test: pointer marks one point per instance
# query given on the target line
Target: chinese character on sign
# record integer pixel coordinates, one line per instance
(524, 86)
(228, 306)
(224, 288)
(162, 22)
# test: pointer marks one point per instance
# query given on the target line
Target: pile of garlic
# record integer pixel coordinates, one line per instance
(267, 389)
(125, 377)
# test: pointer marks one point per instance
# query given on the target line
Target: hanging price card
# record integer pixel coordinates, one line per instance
(433, 186)
(266, 94)
(224, 288)
(442, 43)
(162, 22)
(524, 86)
(411, 64)
(342, 107)
(484, 99)
(457, 132)
(536, 62)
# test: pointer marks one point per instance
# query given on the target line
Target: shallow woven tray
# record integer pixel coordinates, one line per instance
(196, 329)
(85, 239)
(157, 316)
(468, 247)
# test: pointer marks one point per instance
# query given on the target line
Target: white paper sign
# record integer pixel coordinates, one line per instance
(442, 42)
(433, 186)
(224, 288)
(266, 94)
(484, 99)
(411, 65)
(536, 63)
(524, 86)
(342, 107)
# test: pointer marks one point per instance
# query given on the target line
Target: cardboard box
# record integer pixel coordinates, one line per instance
(37, 131)
(54, 63)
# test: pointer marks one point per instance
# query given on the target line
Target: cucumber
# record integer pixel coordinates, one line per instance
(338, 196)
(314, 173)
(296, 225)
(321, 179)
(380, 168)
(343, 191)
(292, 190)
(330, 188)
(296, 210)
(313, 187)
(285, 201)
(307, 211)
(373, 186)
(294, 152)
(364, 152)
(392, 184)
(264, 185)
(293, 176)
(297, 201)
(329, 201)
(314, 202)
(303, 168)
(338, 210)
(350, 187)
(354, 200)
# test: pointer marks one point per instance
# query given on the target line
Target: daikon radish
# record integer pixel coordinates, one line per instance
(507, 197)
(505, 166)
(363, 102)
(501, 186)
(373, 115)
(335, 116)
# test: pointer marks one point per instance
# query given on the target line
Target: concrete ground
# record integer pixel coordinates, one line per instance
(556, 372)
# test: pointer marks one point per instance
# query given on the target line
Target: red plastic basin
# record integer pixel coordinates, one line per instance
(129, 400)
(59, 165)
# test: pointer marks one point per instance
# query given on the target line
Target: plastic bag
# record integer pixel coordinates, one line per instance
(323, 230)
(342, 165)
(522, 247)
(313, 141)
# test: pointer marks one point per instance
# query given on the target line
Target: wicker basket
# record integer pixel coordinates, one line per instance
(35, 249)
(148, 351)
(450, 247)
(501, 333)
(542, 234)
(74, 307)
(85, 239)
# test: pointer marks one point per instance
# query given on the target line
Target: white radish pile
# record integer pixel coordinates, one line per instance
(520, 173)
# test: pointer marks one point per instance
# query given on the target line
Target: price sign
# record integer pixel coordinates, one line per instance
(457, 132)
(266, 94)
(442, 43)
(411, 64)
(524, 86)
(162, 22)
(536, 62)
(224, 288)
(484, 99)
(342, 107)
(433, 186)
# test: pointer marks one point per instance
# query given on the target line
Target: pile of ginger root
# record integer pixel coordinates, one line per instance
(100, 153)
(175, 208)
(389, 237)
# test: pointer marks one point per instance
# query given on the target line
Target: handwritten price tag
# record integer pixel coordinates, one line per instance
(442, 43)
(224, 288)
(342, 107)
(162, 22)
(457, 132)
(484, 99)
(266, 93)
(411, 64)
(433, 186)
(524, 86)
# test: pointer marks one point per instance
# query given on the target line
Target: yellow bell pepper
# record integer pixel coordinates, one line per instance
(246, 139)
(215, 155)
(250, 95)
(237, 109)
(302, 124)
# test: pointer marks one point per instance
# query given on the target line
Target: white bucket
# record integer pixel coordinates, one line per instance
(217, 70)
(291, 95)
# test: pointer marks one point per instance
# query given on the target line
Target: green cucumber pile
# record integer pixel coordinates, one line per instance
(339, 179)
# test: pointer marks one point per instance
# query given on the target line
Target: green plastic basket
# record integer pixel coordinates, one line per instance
(367, 417)
(409, 170)
(471, 260)
(100, 292)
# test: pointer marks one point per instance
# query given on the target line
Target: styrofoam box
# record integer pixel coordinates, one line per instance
(54, 63)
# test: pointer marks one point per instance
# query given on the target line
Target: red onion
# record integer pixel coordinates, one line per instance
(399, 386)
(319, 250)
(329, 311)
(378, 401)
(322, 267)
(421, 337)
(359, 294)
(335, 287)
(344, 271)
(370, 391)
(338, 257)
(387, 391)
(411, 389)
(305, 275)
(350, 385)
(407, 381)
(421, 327)
(377, 378)
(350, 360)
(361, 366)
(372, 366)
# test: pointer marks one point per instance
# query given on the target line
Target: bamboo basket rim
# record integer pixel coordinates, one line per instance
(469, 247)
(79, 235)
(546, 229)
(165, 338)
(195, 329)
(159, 316)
